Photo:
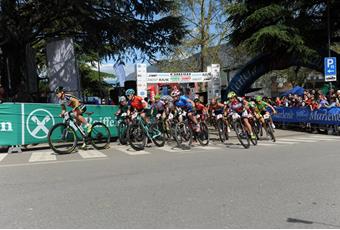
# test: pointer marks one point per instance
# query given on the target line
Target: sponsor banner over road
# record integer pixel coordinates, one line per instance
(326, 116)
(178, 77)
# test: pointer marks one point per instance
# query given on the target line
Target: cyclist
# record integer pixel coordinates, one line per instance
(78, 108)
(123, 106)
(216, 108)
(260, 110)
(239, 106)
(159, 106)
(200, 108)
(185, 103)
(137, 103)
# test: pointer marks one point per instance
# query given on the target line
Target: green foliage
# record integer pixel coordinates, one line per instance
(100, 28)
(284, 28)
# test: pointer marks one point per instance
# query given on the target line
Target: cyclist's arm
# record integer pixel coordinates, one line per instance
(271, 107)
(192, 103)
(63, 109)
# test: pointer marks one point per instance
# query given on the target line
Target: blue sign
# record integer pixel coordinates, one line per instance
(330, 69)
(326, 116)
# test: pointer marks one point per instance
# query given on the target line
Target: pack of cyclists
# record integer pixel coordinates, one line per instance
(166, 107)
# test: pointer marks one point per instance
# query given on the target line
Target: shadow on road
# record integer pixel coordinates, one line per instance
(300, 221)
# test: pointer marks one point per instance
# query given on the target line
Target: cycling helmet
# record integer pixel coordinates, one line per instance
(196, 100)
(130, 92)
(157, 97)
(231, 94)
(258, 98)
(175, 93)
(59, 89)
(122, 98)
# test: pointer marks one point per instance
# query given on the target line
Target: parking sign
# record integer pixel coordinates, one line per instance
(330, 69)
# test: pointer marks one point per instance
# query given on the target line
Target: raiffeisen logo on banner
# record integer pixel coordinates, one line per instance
(37, 123)
(6, 126)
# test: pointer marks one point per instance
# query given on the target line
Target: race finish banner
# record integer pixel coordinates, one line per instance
(330, 69)
(28, 123)
(212, 76)
(325, 116)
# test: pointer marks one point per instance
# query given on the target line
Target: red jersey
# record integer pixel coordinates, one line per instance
(199, 107)
(137, 103)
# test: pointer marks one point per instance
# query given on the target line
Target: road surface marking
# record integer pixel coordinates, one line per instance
(265, 144)
(296, 140)
(2, 156)
(90, 153)
(206, 147)
(286, 142)
(317, 139)
(42, 156)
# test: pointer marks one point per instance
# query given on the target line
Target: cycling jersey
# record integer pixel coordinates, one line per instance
(199, 108)
(261, 106)
(67, 101)
(159, 106)
(137, 103)
(237, 105)
(183, 103)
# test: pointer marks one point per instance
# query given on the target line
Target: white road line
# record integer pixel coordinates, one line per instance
(317, 139)
(265, 144)
(286, 142)
(92, 153)
(128, 150)
(325, 137)
(296, 140)
(42, 156)
(2, 156)
(206, 147)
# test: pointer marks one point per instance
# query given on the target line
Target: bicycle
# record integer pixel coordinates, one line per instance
(63, 139)
(241, 133)
(139, 131)
(222, 128)
(123, 124)
(269, 128)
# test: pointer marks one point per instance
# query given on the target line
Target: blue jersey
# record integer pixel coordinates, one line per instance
(182, 102)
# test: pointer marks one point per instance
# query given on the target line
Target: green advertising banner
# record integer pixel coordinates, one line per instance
(27, 123)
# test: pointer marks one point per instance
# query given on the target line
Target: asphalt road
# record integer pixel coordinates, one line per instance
(294, 183)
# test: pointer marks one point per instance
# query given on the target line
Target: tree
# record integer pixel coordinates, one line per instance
(108, 28)
(284, 28)
(205, 21)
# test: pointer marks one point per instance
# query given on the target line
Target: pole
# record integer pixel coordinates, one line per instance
(329, 39)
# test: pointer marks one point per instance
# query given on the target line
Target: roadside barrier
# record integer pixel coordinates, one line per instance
(29, 123)
(323, 116)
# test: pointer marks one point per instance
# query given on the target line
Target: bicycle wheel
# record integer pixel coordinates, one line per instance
(242, 136)
(253, 141)
(270, 131)
(203, 135)
(157, 136)
(222, 131)
(100, 135)
(183, 134)
(62, 138)
(122, 133)
(256, 130)
(136, 137)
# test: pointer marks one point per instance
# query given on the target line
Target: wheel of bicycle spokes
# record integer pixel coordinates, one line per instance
(100, 135)
(203, 135)
(122, 132)
(242, 135)
(253, 141)
(62, 138)
(183, 134)
(158, 137)
(270, 131)
(222, 131)
(136, 136)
